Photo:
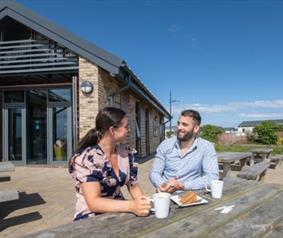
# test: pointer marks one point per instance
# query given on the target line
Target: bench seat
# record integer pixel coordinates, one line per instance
(9, 195)
(275, 160)
(254, 172)
(7, 166)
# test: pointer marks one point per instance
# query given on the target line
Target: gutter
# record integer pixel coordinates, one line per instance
(134, 84)
(112, 95)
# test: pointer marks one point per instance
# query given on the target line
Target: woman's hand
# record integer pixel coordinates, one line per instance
(140, 206)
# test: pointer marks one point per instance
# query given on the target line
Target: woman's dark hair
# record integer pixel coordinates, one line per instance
(106, 117)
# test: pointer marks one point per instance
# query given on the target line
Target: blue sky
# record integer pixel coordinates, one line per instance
(223, 58)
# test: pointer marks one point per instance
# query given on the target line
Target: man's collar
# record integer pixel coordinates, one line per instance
(193, 147)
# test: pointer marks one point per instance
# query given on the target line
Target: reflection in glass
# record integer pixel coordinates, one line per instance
(60, 95)
(15, 134)
(14, 97)
(1, 130)
(36, 126)
(59, 117)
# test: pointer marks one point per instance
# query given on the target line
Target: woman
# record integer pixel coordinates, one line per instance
(101, 164)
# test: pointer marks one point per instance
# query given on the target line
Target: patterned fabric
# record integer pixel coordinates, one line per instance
(91, 165)
(195, 169)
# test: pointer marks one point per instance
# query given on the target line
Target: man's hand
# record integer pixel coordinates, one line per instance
(171, 186)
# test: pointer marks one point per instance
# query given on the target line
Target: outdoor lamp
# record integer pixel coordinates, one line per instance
(86, 87)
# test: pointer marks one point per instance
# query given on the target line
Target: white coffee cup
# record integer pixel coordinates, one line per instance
(216, 187)
(161, 202)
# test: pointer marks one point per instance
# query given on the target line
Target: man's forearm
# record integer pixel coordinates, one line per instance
(200, 182)
(156, 179)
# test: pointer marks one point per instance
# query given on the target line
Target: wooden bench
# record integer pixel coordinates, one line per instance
(9, 195)
(254, 172)
(275, 160)
(7, 166)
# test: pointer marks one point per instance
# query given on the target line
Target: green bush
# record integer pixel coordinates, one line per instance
(266, 133)
(210, 132)
(170, 134)
(280, 141)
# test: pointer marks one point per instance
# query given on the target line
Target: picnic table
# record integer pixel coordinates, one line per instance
(260, 154)
(257, 212)
(227, 158)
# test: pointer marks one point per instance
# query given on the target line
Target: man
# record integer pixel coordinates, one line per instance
(185, 162)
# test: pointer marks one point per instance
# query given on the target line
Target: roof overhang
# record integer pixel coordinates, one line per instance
(109, 62)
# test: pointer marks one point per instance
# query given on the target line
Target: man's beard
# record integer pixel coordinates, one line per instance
(188, 136)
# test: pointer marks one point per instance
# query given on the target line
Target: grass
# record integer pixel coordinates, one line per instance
(277, 149)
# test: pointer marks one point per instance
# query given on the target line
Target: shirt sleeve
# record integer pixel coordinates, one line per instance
(86, 168)
(158, 168)
(133, 169)
(210, 170)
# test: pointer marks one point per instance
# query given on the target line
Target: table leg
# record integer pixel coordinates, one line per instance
(226, 169)
(252, 162)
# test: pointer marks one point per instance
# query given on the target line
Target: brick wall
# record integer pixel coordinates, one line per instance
(87, 104)
(105, 85)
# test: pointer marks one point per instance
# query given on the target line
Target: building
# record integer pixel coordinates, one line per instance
(247, 127)
(52, 85)
(229, 130)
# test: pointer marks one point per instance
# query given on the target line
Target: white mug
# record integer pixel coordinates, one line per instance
(161, 202)
(216, 187)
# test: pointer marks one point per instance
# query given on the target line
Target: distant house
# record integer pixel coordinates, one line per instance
(230, 130)
(248, 126)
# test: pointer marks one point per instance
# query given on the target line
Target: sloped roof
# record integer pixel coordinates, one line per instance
(255, 123)
(104, 59)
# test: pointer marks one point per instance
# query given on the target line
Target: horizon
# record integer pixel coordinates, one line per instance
(222, 58)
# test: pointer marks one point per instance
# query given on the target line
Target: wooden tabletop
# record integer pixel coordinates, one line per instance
(258, 212)
(262, 150)
(232, 156)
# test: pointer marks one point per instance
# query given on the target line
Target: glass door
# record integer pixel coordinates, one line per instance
(14, 132)
(14, 129)
(37, 126)
(1, 130)
(59, 125)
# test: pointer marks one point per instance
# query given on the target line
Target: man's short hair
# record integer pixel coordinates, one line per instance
(193, 114)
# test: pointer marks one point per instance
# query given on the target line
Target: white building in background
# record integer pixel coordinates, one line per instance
(248, 126)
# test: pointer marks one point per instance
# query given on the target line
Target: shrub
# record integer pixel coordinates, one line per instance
(210, 132)
(266, 133)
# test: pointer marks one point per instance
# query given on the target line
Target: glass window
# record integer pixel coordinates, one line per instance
(59, 117)
(60, 95)
(14, 97)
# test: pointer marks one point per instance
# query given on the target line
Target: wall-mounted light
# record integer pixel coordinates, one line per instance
(86, 87)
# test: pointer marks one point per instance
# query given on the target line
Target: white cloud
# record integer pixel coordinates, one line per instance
(230, 107)
(262, 115)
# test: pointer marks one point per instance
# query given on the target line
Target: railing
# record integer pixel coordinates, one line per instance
(35, 56)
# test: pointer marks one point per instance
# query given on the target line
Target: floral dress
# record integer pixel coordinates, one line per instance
(91, 165)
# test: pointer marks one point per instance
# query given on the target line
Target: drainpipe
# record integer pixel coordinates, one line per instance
(164, 125)
(112, 95)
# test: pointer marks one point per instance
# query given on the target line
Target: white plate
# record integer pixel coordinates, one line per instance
(176, 199)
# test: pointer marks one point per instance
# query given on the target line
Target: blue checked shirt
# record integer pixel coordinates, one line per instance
(195, 169)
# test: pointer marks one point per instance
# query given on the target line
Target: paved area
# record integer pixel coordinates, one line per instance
(47, 198)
